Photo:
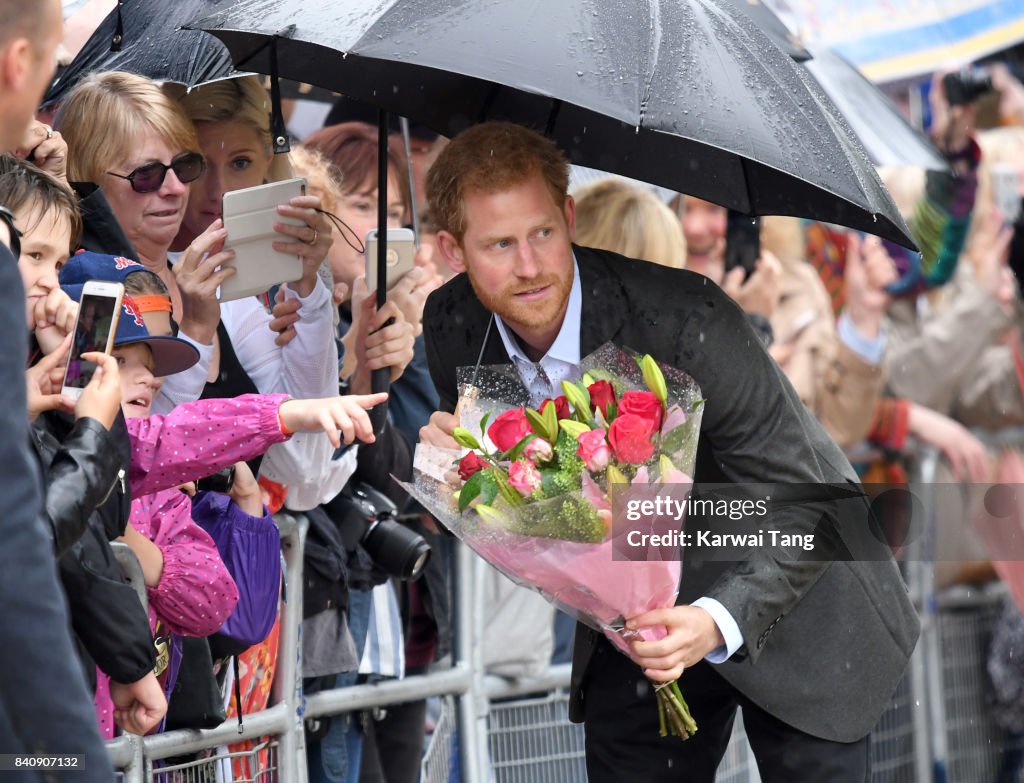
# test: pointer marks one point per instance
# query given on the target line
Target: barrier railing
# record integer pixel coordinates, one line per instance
(505, 730)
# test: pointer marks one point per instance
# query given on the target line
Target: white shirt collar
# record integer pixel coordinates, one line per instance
(566, 347)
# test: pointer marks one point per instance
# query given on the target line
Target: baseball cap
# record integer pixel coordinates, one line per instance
(170, 354)
(85, 265)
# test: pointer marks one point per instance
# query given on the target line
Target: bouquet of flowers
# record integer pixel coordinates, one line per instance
(537, 489)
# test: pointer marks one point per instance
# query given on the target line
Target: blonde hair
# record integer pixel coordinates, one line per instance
(322, 176)
(784, 238)
(243, 100)
(107, 114)
(612, 214)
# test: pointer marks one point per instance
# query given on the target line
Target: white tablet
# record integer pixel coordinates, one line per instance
(249, 217)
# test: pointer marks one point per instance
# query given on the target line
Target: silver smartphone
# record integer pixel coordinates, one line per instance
(401, 256)
(95, 328)
(1006, 190)
(249, 217)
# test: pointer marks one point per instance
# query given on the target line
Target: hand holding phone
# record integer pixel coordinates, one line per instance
(95, 328)
(401, 256)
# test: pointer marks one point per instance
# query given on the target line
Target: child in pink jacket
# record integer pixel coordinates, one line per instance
(189, 589)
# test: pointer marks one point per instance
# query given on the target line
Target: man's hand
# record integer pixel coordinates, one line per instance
(759, 293)
(139, 706)
(692, 634)
(1011, 94)
(101, 398)
(46, 148)
(197, 279)
(438, 430)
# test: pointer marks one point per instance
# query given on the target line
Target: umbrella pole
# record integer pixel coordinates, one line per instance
(414, 213)
(380, 378)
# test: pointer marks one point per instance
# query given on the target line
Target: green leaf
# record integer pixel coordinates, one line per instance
(549, 482)
(579, 399)
(488, 487)
(516, 451)
(573, 428)
(550, 423)
(508, 494)
(538, 421)
(654, 378)
(470, 489)
(483, 422)
(465, 438)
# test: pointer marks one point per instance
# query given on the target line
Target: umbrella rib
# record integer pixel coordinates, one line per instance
(653, 55)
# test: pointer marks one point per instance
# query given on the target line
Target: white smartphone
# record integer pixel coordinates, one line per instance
(401, 256)
(95, 328)
(249, 217)
(1006, 190)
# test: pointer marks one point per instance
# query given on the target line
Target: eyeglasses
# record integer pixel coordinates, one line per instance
(188, 167)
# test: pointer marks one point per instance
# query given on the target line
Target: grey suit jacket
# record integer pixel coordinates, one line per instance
(825, 641)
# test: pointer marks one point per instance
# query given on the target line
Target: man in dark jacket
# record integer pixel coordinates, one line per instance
(44, 705)
(811, 648)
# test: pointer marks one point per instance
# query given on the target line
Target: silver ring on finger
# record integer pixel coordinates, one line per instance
(316, 236)
(49, 133)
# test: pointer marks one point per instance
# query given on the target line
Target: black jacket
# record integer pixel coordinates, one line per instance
(810, 625)
(77, 460)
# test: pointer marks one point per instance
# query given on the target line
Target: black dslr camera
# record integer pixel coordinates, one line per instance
(967, 85)
(368, 517)
(221, 481)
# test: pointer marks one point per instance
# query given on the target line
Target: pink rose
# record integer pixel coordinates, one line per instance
(538, 450)
(593, 449)
(643, 404)
(469, 465)
(602, 396)
(524, 477)
(561, 407)
(630, 437)
(508, 429)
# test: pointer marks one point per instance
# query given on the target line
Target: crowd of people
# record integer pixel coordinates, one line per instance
(829, 361)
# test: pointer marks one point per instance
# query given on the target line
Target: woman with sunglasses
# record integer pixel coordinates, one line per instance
(131, 139)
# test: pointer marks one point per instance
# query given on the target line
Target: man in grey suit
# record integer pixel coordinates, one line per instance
(811, 648)
(44, 705)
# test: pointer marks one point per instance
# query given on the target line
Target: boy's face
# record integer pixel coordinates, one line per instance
(45, 246)
(138, 385)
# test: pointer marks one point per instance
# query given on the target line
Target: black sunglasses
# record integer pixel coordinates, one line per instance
(188, 167)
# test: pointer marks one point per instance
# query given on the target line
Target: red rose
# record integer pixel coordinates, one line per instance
(469, 465)
(602, 396)
(561, 407)
(508, 429)
(643, 404)
(630, 438)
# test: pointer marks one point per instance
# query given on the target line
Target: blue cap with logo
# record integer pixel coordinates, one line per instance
(170, 354)
(85, 265)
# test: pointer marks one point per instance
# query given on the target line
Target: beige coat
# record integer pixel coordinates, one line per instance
(949, 359)
(838, 386)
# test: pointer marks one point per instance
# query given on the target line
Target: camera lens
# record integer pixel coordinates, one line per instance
(221, 481)
(396, 549)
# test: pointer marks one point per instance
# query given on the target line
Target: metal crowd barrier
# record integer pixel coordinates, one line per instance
(936, 728)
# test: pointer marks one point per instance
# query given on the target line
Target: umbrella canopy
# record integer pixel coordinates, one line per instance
(896, 39)
(889, 139)
(150, 45)
(691, 96)
(765, 18)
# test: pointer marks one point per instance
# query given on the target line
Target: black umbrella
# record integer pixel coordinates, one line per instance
(141, 36)
(691, 95)
(774, 28)
(888, 138)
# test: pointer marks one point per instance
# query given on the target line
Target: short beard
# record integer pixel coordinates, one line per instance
(530, 316)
